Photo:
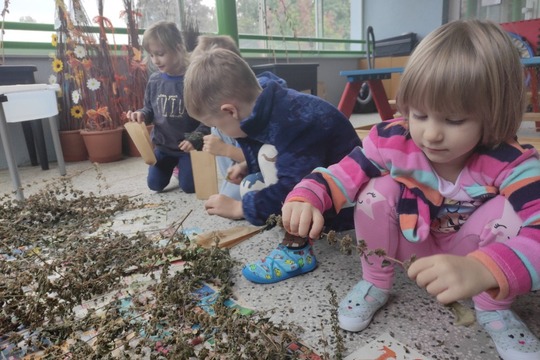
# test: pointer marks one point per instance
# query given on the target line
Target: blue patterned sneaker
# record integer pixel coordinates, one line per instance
(282, 263)
(357, 308)
(512, 338)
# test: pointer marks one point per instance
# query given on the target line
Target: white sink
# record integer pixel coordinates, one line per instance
(29, 102)
(24, 103)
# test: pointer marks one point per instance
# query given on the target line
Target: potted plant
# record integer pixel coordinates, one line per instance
(68, 64)
(99, 84)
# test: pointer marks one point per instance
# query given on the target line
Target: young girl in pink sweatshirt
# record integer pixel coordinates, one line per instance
(449, 183)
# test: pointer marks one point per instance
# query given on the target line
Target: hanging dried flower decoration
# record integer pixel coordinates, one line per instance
(137, 55)
(99, 119)
(54, 40)
(103, 79)
(87, 63)
(80, 52)
(76, 96)
(79, 77)
(57, 65)
(93, 84)
(77, 111)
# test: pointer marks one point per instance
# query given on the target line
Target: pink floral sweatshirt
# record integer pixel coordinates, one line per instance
(511, 170)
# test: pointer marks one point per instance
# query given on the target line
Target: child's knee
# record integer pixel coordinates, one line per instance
(188, 190)
(154, 187)
(155, 184)
(187, 184)
(267, 163)
(252, 182)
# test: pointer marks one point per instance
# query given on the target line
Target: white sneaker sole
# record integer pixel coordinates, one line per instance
(352, 325)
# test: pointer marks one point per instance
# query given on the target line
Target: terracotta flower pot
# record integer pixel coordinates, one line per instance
(103, 146)
(73, 146)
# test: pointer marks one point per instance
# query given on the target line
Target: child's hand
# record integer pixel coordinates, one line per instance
(302, 219)
(237, 172)
(186, 146)
(135, 116)
(451, 277)
(214, 145)
(224, 206)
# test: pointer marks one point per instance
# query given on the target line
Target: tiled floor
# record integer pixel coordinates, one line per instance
(412, 317)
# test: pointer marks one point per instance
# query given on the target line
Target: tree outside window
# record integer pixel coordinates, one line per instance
(299, 18)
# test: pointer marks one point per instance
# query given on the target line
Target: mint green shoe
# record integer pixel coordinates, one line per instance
(512, 338)
(282, 263)
(358, 307)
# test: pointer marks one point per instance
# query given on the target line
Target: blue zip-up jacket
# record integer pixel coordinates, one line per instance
(307, 132)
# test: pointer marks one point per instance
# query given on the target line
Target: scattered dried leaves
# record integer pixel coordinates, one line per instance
(464, 316)
(59, 253)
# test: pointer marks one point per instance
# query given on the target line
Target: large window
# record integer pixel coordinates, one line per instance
(501, 11)
(201, 12)
(284, 22)
(280, 19)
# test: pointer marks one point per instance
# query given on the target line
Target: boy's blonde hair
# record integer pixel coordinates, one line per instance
(207, 42)
(215, 77)
(467, 67)
(169, 36)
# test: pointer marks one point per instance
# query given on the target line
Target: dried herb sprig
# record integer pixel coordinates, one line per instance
(340, 345)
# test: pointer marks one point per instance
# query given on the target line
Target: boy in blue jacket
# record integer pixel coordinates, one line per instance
(284, 135)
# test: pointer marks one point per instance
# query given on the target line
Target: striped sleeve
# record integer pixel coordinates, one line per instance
(519, 257)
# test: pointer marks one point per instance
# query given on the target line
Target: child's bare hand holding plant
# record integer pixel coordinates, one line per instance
(237, 173)
(186, 146)
(214, 145)
(451, 277)
(302, 219)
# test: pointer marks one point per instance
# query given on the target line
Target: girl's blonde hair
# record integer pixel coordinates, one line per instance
(207, 42)
(167, 34)
(215, 77)
(467, 67)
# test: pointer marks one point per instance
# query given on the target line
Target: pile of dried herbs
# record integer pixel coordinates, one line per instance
(64, 275)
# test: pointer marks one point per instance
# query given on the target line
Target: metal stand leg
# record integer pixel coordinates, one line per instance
(10, 158)
(57, 145)
(39, 139)
(30, 144)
